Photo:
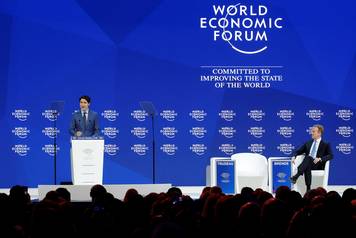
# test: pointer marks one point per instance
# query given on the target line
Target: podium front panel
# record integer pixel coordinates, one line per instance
(87, 159)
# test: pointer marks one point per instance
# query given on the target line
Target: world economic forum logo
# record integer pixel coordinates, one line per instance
(50, 132)
(198, 115)
(286, 148)
(256, 115)
(246, 28)
(50, 114)
(227, 131)
(256, 131)
(345, 131)
(49, 149)
(198, 132)
(315, 114)
(285, 115)
(225, 177)
(139, 115)
(281, 177)
(20, 114)
(169, 115)
(345, 148)
(285, 131)
(88, 151)
(139, 132)
(227, 115)
(198, 149)
(169, 132)
(21, 149)
(111, 149)
(110, 132)
(228, 149)
(21, 132)
(139, 149)
(256, 148)
(344, 114)
(169, 149)
(110, 114)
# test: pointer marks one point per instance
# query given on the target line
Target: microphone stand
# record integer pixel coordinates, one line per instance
(55, 116)
(153, 151)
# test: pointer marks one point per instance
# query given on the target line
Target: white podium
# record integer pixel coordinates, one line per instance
(87, 159)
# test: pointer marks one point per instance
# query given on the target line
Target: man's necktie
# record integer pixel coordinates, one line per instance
(313, 150)
(85, 120)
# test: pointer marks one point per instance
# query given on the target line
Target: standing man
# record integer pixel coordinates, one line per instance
(316, 151)
(84, 123)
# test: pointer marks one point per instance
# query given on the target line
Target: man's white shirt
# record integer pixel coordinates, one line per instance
(86, 115)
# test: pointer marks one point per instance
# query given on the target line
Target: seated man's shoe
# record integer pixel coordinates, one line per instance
(293, 179)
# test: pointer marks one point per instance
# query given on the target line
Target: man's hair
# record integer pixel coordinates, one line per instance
(320, 128)
(85, 97)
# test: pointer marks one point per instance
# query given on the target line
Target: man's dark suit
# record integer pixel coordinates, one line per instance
(324, 152)
(89, 128)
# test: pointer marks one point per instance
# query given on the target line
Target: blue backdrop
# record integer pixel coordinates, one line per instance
(122, 52)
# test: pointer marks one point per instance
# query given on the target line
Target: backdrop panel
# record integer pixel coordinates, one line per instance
(224, 76)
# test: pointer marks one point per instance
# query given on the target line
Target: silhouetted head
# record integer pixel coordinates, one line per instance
(174, 193)
(333, 198)
(130, 194)
(205, 193)
(64, 193)
(52, 196)
(97, 192)
(248, 194)
(215, 190)
(349, 195)
(282, 193)
(19, 195)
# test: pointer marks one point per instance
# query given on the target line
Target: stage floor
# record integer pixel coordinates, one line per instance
(81, 192)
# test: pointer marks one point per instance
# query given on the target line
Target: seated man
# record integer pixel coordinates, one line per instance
(316, 151)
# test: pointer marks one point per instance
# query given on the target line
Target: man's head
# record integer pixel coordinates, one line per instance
(97, 192)
(317, 131)
(84, 102)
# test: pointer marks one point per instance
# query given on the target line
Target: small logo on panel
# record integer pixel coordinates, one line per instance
(110, 115)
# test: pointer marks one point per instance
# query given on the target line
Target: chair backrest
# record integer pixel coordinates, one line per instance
(250, 164)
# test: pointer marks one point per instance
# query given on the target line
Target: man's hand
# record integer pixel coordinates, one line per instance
(316, 160)
(78, 133)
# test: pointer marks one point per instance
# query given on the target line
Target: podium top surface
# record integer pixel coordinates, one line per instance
(87, 138)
